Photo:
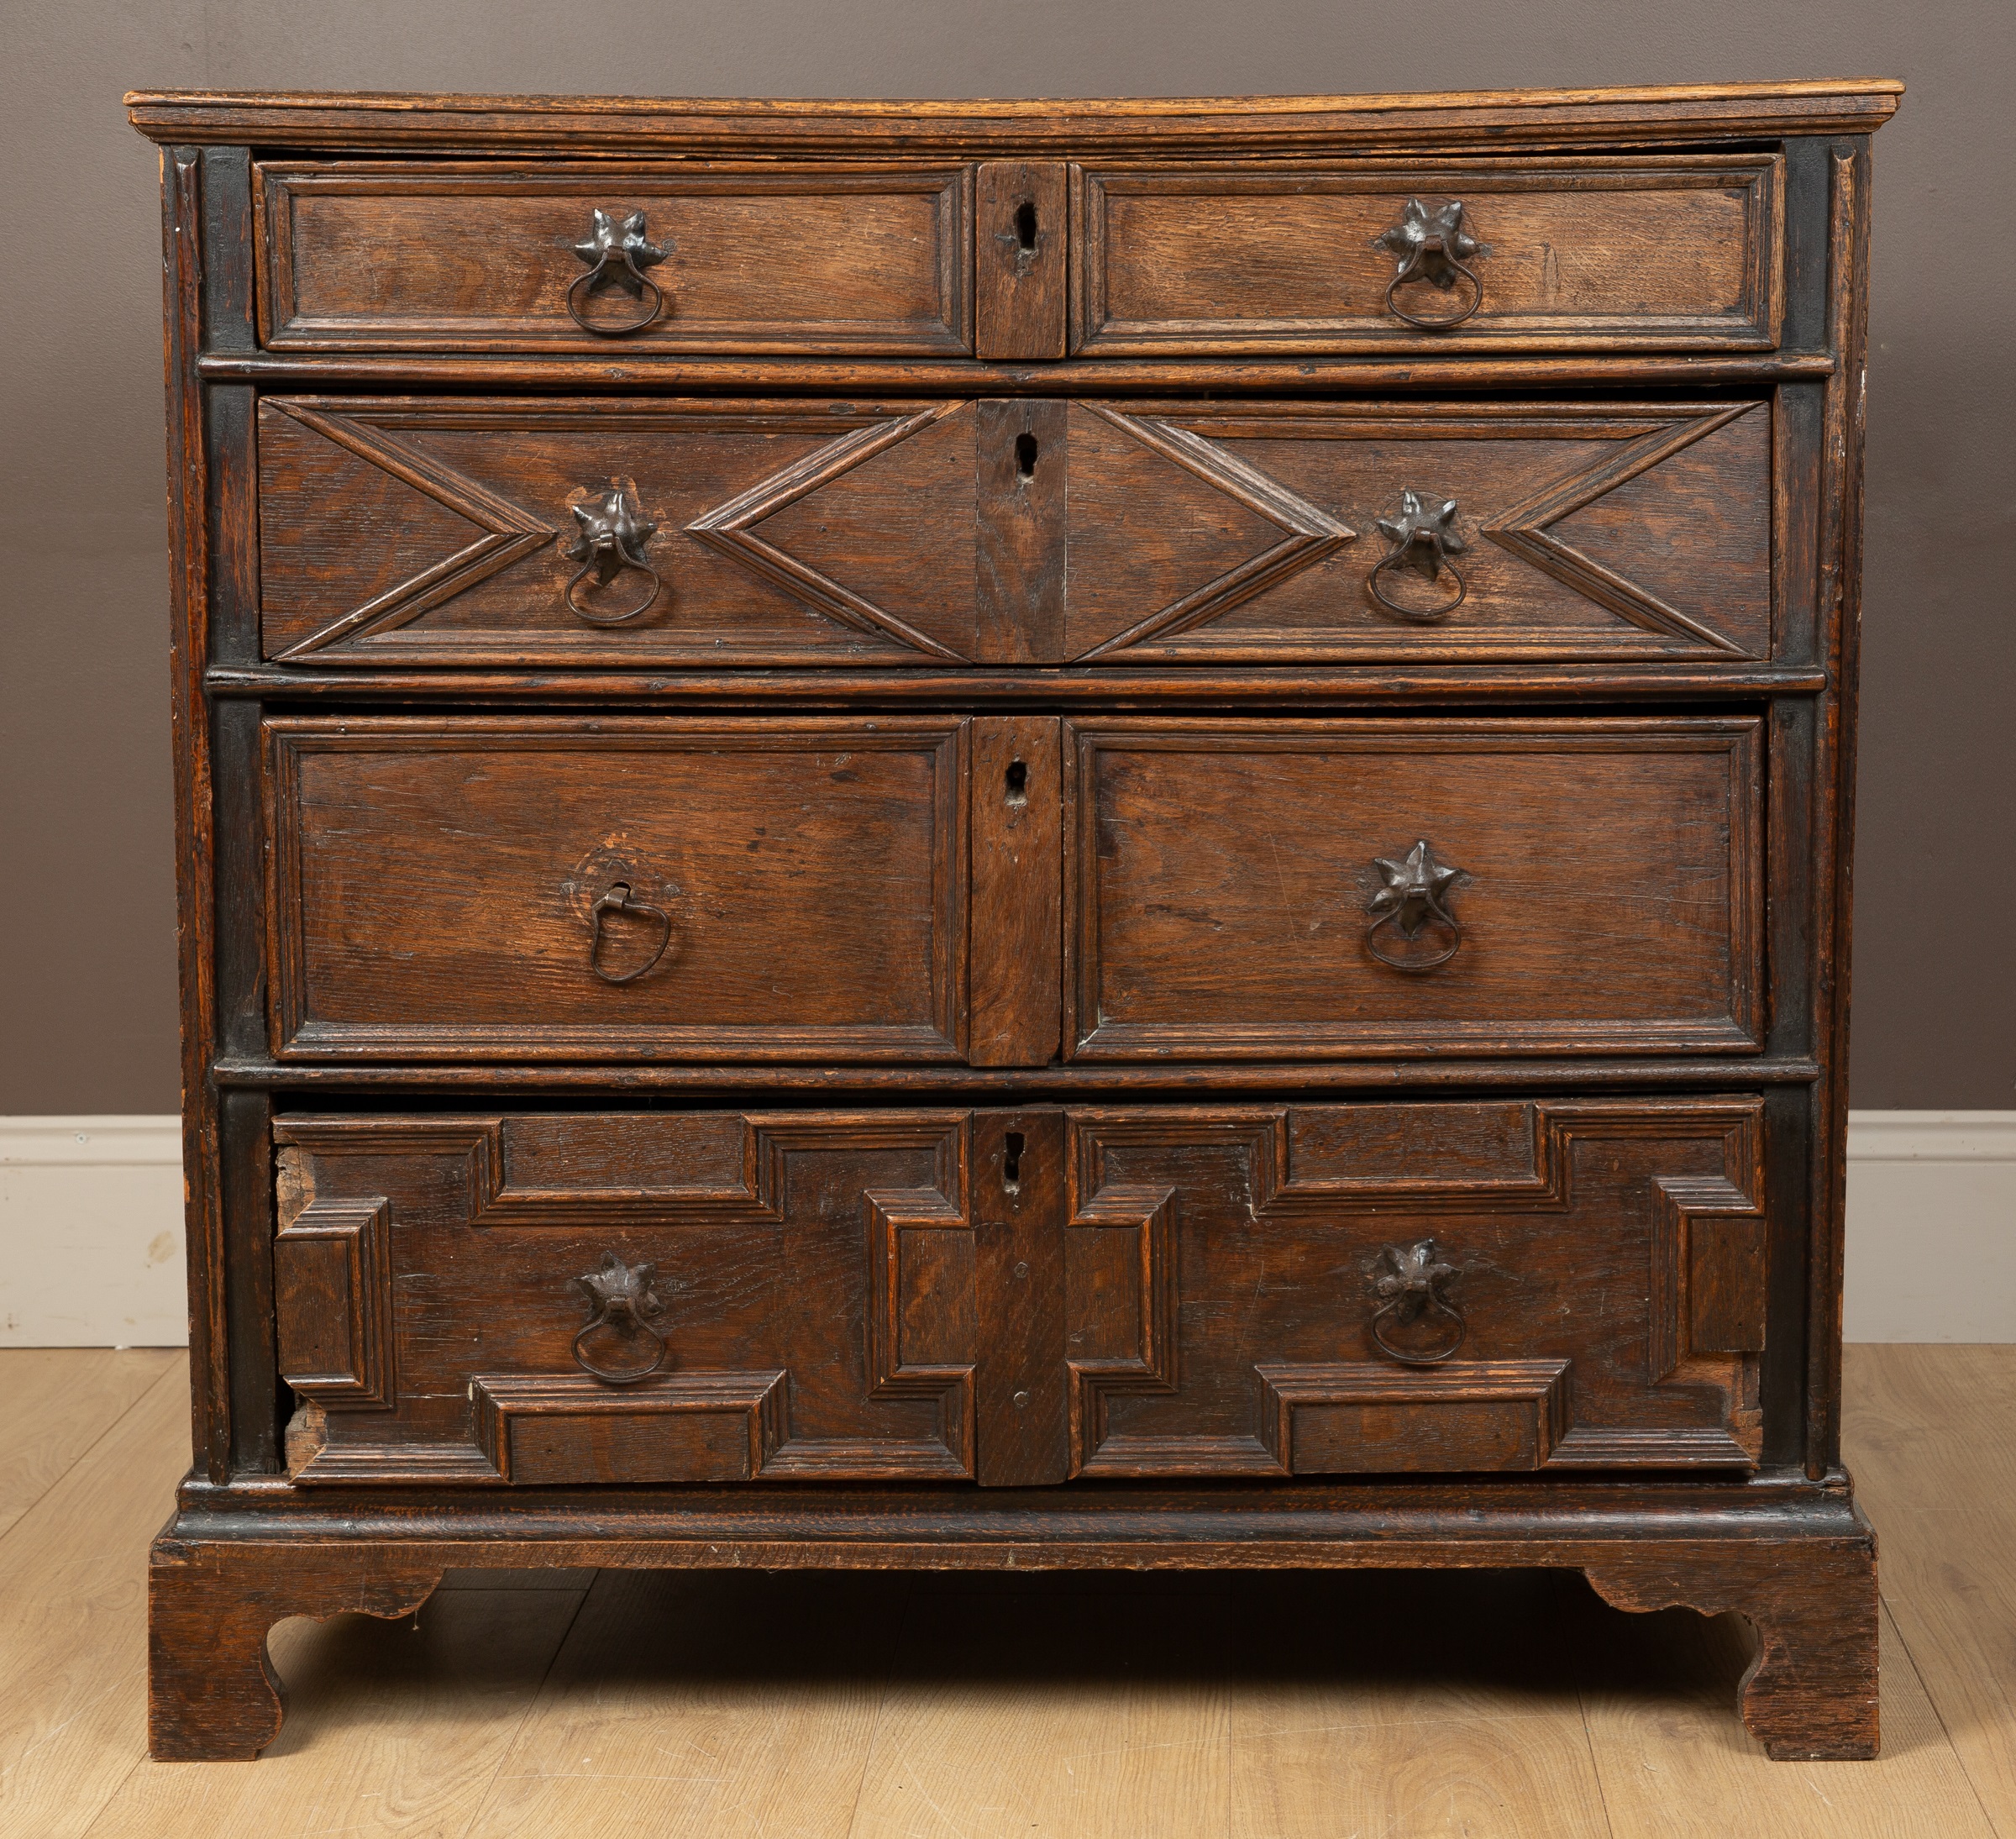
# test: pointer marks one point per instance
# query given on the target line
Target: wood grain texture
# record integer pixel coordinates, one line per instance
(1248, 534)
(1672, 1767)
(1663, 536)
(435, 885)
(1220, 877)
(1020, 260)
(60, 1401)
(395, 1727)
(1679, 253)
(399, 532)
(1263, 124)
(357, 256)
(1016, 943)
(817, 1275)
(72, 1620)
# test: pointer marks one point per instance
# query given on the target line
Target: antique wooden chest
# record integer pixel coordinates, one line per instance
(1016, 834)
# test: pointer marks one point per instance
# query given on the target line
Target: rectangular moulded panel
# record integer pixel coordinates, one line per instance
(1656, 252)
(501, 888)
(1233, 888)
(1403, 1287)
(801, 1285)
(371, 256)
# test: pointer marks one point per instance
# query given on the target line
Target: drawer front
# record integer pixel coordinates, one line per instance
(1017, 1298)
(1679, 253)
(400, 532)
(472, 1300)
(462, 532)
(790, 889)
(1311, 888)
(1275, 533)
(1415, 1288)
(443, 256)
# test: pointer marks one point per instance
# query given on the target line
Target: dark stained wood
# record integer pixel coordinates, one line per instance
(411, 531)
(1811, 1693)
(1111, 1304)
(815, 1273)
(1652, 115)
(1220, 877)
(435, 886)
(1222, 1271)
(1312, 375)
(1015, 946)
(1248, 534)
(360, 257)
(1020, 258)
(1021, 1177)
(1682, 252)
(1022, 465)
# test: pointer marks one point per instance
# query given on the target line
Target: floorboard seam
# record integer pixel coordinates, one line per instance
(504, 1749)
(1917, 1673)
(84, 1455)
(874, 1724)
(1589, 1742)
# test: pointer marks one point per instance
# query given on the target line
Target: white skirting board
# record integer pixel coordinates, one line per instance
(90, 1229)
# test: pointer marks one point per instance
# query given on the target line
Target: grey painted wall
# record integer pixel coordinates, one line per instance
(86, 898)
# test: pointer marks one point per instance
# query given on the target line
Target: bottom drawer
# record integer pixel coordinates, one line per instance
(1025, 1296)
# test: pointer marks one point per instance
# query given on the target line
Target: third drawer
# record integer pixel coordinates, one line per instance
(1007, 890)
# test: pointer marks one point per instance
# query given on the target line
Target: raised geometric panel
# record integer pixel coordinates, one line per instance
(1224, 1293)
(1581, 530)
(815, 1272)
(332, 1302)
(1168, 531)
(408, 531)
(1354, 1418)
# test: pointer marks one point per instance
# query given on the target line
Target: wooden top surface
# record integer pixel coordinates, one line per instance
(1471, 120)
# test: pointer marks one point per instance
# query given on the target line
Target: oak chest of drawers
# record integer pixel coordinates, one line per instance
(983, 835)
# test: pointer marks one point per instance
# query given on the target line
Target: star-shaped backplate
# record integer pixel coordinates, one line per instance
(1414, 889)
(617, 1289)
(619, 249)
(1426, 244)
(1425, 531)
(612, 533)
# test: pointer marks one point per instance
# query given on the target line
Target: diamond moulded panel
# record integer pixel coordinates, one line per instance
(396, 533)
(1256, 534)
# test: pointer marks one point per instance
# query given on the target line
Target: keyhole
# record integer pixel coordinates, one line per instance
(1011, 1162)
(1017, 782)
(1024, 227)
(1025, 458)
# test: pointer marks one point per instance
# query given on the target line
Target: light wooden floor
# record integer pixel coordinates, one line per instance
(584, 1706)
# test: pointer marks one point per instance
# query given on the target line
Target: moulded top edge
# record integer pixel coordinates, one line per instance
(1492, 116)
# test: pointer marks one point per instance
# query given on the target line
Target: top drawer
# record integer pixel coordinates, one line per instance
(442, 256)
(1679, 253)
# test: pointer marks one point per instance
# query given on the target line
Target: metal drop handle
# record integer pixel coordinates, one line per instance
(624, 245)
(1413, 1283)
(612, 537)
(1413, 901)
(1434, 246)
(617, 899)
(620, 1300)
(1424, 536)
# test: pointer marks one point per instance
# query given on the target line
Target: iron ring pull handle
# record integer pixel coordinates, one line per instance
(1413, 899)
(616, 898)
(1434, 246)
(612, 537)
(616, 1293)
(624, 244)
(1399, 558)
(1424, 536)
(1413, 1284)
